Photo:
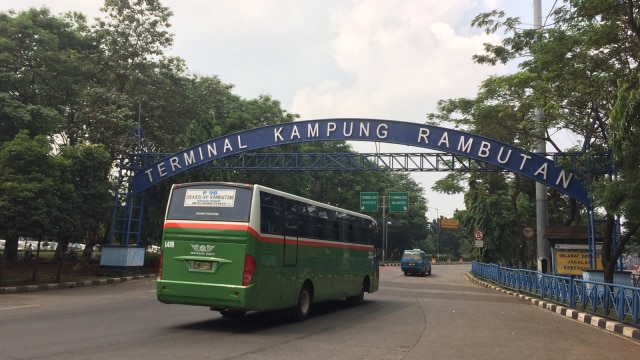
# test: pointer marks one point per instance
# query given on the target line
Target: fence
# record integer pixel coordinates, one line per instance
(615, 301)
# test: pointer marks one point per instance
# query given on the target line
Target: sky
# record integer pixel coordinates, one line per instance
(391, 59)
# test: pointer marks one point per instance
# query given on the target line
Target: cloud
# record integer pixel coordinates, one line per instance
(391, 59)
(396, 59)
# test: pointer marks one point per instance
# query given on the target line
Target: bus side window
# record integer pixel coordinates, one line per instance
(329, 229)
(265, 221)
(270, 220)
(291, 224)
(346, 233)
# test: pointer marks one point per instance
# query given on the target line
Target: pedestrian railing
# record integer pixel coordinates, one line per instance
(616, 301)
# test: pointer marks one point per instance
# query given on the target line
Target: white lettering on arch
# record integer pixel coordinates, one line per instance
(382, 131)
(525, 158)
(364, 129)
(484, 149)
(542, 171)
(564, 179)
(276, 135)
(465, 147)
(189, 158)
(212, 150)
(295, 133)
(175, 163)
(423, 135)
(500, 159)
(331, 127)
(227, 146)
(444, 139)
(313, 131)
(347, 132)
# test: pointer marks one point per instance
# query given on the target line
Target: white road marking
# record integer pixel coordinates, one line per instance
(18, 307)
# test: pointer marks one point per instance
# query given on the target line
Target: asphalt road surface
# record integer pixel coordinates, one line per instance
(442, 316)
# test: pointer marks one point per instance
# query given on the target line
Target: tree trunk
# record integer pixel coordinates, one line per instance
(514, 198)
(611, 254)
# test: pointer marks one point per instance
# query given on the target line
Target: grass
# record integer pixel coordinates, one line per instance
(18, 273)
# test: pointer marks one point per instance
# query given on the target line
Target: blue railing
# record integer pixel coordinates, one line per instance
(614, 301)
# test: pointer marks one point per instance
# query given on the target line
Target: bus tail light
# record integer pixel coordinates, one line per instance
(160, 264)
(249, 268)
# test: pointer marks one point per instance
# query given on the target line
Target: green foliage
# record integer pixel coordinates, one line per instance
(31, 184)
(580, 67)
(70, 95)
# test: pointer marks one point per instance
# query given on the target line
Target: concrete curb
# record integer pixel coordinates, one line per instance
(625, 330)
(71, 284)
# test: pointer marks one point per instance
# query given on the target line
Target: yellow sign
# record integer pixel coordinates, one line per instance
(573, 262)
(448, 223)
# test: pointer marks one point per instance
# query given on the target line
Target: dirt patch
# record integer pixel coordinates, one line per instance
(18, 273)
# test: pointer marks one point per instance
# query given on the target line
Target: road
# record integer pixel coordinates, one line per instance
(442, 316)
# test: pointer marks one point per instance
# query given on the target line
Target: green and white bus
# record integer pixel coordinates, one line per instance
(238, 248)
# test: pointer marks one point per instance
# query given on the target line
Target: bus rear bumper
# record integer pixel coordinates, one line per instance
(212, 295)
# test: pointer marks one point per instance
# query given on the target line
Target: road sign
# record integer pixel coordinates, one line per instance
(369, 201)
(528, 232)
(398, 201)
(478, 235)
(449, 223)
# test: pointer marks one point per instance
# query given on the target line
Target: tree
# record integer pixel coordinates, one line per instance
(131, 71)
(573, 70)
(32, 182)
(86, 211)
(43, 71)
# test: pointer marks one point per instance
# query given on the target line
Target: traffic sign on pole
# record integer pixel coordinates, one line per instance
(369, 201)
(398, 201)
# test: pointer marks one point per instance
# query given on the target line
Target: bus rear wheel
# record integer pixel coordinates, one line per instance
(305, 298)
(356, 299)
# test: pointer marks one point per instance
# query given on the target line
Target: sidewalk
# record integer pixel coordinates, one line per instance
(72, 284)
(625, 330)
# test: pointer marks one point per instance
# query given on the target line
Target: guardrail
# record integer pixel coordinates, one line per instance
(614, 301)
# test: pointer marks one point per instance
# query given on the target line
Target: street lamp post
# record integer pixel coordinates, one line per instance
(437, 234)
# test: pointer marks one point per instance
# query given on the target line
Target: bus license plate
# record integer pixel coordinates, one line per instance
(202, 265)
(412, 264)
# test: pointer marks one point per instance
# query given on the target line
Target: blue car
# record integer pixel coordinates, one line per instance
(415, 262)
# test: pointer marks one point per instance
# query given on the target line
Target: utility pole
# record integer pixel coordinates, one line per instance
(437, 234)
(541, 190)
(384, 229)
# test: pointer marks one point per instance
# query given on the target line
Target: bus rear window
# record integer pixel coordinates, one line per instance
(209, 203)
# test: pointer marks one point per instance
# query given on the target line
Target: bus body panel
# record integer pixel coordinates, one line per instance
(203, 260)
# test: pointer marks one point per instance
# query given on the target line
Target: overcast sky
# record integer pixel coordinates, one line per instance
(391, 59)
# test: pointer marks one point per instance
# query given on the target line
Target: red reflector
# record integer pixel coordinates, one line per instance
(160, 264)
(249, 268)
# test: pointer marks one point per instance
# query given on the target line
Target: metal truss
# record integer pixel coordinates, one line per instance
(401, 162)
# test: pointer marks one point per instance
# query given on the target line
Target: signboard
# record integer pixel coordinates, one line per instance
(448, 223)
(528, 232)
(210, 197)
(505, 156)
(369, 201)
(479, 243)
(573, 259)
(398, 201)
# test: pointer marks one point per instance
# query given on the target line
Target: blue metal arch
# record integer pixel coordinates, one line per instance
(480, 148)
